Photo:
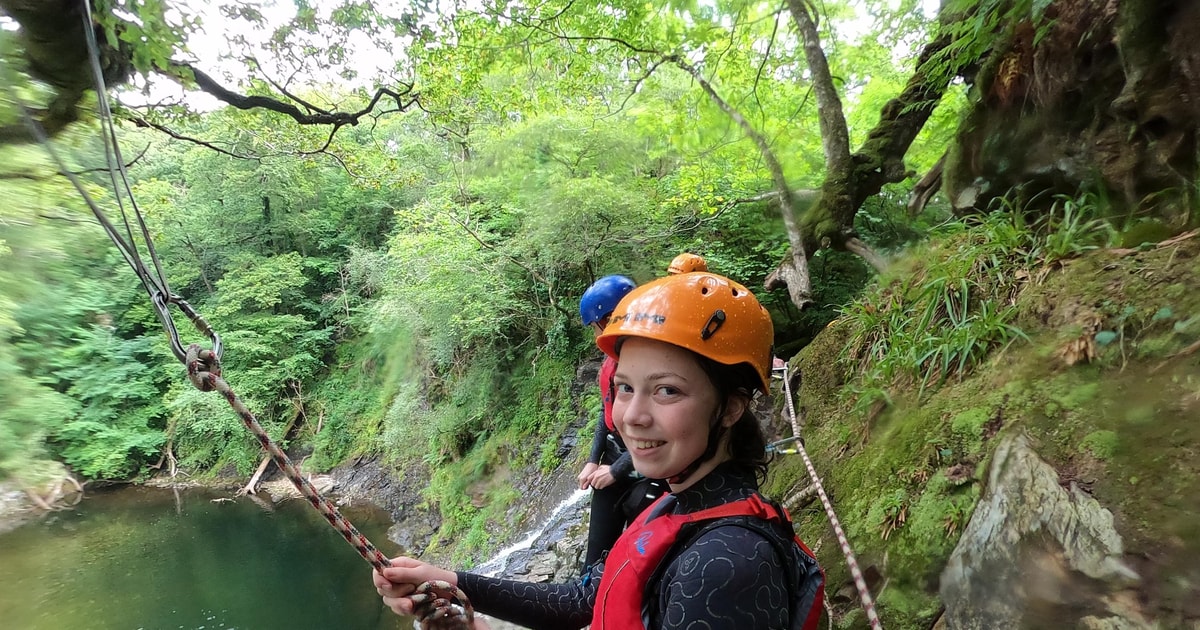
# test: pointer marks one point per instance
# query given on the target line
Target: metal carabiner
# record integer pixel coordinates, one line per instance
(162, 308)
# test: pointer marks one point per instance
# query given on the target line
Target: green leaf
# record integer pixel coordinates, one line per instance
(1105, 337)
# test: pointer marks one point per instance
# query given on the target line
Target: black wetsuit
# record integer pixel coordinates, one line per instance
(723, 575)
(607, 520)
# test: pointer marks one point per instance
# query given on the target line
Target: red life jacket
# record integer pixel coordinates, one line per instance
(637, 554)
(607, 370)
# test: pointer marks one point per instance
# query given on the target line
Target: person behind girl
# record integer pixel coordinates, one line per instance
(713, 553)
(619, 493)
(687, 263)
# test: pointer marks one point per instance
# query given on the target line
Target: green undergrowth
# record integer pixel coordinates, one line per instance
(1094, 358)
(474, 487)
(470, 427)
(350, 404)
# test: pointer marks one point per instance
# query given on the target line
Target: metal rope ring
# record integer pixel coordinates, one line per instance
(443, 606)
(203, 367)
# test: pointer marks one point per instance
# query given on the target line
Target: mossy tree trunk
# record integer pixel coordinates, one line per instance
(1098, 96)
(55, 51)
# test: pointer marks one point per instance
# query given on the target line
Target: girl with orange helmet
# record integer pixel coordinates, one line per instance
(713, 553)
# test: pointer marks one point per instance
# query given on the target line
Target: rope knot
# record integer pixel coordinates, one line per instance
(442, 606)
(203, 367)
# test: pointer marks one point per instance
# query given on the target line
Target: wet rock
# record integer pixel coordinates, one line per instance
(398, 492)
(1036, 554)
(15, 508)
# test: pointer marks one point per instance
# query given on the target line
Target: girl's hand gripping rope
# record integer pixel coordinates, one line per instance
(411, 587)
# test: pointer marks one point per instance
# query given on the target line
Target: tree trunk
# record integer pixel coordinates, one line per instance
(251, 486)
(1103, 97)
(54, 46)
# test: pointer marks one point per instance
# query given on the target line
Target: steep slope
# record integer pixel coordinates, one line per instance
(1067, 455)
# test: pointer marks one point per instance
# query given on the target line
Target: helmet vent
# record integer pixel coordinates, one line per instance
(703, 290)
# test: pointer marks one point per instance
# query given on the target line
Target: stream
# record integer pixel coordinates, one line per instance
(134, 558)
(148, 558)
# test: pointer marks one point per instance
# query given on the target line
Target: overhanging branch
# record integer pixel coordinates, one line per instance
(801, 285)
(339, 119)
(144, 123)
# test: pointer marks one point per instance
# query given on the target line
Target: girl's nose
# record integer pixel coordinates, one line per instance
(636, 410)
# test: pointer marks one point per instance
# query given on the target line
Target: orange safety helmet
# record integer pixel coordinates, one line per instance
(708, 314)
(687, 263)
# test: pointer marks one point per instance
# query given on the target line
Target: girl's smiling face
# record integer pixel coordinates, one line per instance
(664, 407)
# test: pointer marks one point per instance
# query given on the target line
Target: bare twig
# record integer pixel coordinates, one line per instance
(143, 122)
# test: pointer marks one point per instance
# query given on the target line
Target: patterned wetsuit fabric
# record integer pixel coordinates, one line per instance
(726, 577)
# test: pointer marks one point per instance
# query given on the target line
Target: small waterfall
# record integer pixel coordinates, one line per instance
(498, 564)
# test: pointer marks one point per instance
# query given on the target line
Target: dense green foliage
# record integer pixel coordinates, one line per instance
(405, 286)
(410, 287)
(415, 305)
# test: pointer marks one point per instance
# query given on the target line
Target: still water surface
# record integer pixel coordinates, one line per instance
(146, 558)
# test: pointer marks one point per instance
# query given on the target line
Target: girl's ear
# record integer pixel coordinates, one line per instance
(735, 406)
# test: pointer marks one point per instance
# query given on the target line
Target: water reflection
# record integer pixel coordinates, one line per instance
(136, 558)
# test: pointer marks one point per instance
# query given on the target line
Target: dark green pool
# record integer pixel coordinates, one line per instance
(139, 558)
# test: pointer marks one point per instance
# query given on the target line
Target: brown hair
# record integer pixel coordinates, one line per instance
(747, 442)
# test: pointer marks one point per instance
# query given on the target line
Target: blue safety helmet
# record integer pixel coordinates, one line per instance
(601, 299)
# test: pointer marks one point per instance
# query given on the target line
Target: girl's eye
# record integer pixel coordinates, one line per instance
(624, 388)
(666, 390)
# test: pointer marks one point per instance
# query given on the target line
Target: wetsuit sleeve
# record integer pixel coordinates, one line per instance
(728, 578)
(623, 467)
(530, 605)
(599, 439)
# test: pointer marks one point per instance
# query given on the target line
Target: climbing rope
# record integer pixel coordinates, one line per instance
(864, 594)
(442, 606)
(203, 365)
(204, 371)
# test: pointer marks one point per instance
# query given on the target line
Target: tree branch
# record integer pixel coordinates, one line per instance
(142, 122)
(800, 195)
(835, 139)
(53, 118)
(924, 190)
(241, 101)
(801, 293)
(880, 159)
(37, 177)
(856, 246)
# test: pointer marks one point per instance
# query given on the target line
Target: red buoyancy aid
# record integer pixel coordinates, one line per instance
(607, 370)
(636, 556)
